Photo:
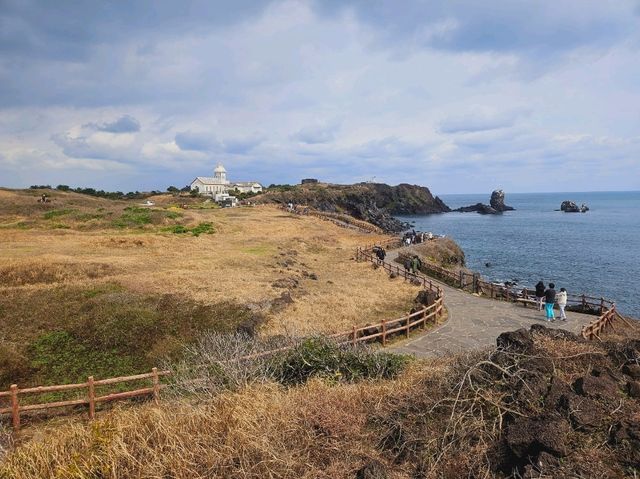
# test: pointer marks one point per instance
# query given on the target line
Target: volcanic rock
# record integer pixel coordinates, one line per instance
(497, 201)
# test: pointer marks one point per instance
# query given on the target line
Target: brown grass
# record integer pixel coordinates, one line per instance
(251, 250)
(443, 418)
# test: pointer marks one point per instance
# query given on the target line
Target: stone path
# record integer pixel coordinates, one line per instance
(475, 322)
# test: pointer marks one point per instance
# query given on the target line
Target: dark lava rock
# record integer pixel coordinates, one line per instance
(631, 370)
(633, 389)
(478, 208)
(527, 438)
(519, 340)
(555, 333)
(585, 414)
(285, 283)
(281, 302)
(497, 201)
(495, 207)
(571, 207)
(372, 470)
(596, 386)
(426, 298)
(626, 435)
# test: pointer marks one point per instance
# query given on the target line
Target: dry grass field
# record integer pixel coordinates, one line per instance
(96, 272)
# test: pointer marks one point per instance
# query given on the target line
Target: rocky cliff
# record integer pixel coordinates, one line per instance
(372, 202)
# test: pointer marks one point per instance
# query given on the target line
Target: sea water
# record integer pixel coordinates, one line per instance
(596, 253)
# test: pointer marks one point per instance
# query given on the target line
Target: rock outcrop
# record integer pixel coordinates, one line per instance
(497, 201)
(372, 202)
(495, 207)
(571, 207)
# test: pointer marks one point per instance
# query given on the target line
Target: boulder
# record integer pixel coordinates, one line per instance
(527, 438)
(570, 207)
(519, 340)
(497, 201)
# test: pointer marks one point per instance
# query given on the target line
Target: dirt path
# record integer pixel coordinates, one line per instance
(475, 322)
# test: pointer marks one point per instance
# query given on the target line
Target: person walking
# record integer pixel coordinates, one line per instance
(540, 288)
(415, 264)
(549, 299)
(561, 299)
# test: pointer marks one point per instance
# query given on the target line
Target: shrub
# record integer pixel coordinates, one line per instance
(319, 357)
(203, 228)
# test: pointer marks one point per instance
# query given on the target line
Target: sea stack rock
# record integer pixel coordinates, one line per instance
(497, 201)
(496, 206)
(571, 207)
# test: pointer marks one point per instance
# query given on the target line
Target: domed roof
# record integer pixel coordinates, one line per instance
(219, 169)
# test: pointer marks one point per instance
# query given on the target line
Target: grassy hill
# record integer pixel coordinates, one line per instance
(109, 287)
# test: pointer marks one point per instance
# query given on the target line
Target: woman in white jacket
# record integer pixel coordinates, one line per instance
(561, 299)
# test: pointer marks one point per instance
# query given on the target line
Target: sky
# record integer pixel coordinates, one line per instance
(460, 96)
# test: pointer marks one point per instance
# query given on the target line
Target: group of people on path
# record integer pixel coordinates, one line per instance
(413, 237)
(550, 298)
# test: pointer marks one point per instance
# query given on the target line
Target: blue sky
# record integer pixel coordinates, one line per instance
(460, 96)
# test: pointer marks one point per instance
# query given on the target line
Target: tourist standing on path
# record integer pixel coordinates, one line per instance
(561, 299)
(549, 299)
(540, 287)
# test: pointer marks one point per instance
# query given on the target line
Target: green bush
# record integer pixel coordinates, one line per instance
(319, 357)
(178, 229)
(202, 228)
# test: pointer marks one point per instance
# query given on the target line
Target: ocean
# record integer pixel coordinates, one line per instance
(597, 253)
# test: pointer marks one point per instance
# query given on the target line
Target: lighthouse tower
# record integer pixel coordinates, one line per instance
(220, 174)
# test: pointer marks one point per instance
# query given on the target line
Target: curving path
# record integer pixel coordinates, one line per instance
(474, 322)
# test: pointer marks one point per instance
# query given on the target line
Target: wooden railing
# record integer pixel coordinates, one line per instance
(472, 282)
(90, 399)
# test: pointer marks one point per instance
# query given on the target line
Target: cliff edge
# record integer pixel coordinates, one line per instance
(372, 202)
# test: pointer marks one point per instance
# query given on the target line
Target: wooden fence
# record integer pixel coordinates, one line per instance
(471, 281)
(90, 399)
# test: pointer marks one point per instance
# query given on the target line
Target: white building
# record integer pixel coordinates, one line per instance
(247, 187)
(218, 183)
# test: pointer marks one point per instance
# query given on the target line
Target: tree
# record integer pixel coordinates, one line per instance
(195, 191)
(63, 187)
(173, 189)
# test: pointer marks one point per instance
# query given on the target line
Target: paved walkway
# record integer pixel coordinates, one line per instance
(475, 322)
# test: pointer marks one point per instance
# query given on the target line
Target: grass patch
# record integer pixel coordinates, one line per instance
(260, 250)
(65, 333)
(133, 216)
(201, 228)
(57, 213)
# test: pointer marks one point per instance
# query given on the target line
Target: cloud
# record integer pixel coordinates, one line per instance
(196, 141)
(242, 145)
(479, 119)
(124, 124)
(316, 134)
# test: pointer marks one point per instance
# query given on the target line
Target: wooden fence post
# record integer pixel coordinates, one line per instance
(353, 336)
(507, 293)
(15, 407)
(156, 385)
(461, 279)
(584, 303)
(491, 290)
(384, 333)
(601, 305)
(92, 398)
(408, 322)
